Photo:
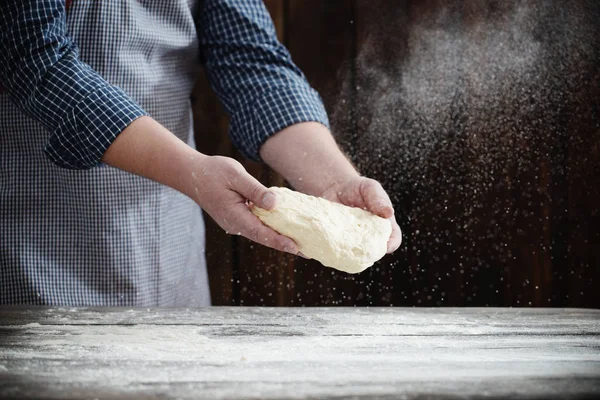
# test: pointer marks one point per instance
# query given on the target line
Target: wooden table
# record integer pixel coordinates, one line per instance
(275, 353)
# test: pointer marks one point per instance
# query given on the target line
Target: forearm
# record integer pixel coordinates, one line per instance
(308, 157)
(220, 185)
(147, 149)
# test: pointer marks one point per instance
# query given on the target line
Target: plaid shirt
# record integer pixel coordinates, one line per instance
(72, 82)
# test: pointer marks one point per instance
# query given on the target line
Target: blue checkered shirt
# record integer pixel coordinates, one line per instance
(73, 78)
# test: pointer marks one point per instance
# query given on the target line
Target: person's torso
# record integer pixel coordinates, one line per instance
(102, 236)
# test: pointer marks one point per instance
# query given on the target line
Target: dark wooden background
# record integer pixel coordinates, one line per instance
(481, 119)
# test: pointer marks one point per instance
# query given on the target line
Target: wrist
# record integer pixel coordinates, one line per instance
(192, 172)
(308, 157)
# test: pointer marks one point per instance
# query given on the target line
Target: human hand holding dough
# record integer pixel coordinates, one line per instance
(345, 238)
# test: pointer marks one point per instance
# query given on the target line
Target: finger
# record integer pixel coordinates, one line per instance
(376, 199)
(246, 185)
(395, 237)
(249, 226)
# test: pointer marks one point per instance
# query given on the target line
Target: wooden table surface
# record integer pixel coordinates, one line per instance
(275, 353)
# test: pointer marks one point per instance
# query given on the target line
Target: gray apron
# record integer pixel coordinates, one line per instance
(104, 237)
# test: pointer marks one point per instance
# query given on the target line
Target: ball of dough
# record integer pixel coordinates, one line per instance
(345, 238)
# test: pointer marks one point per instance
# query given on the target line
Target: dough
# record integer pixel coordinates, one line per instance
(345, 238)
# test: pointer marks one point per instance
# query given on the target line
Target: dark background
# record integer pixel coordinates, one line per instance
(480, 118)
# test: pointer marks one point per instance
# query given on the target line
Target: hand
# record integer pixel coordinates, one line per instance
(367, 194)
(222, 187)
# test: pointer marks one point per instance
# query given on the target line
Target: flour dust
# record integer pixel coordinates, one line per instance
(481, 119)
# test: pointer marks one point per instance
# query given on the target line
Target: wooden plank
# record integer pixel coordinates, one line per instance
(321, 38)
(277, 10)
(234, 262)
(581, 217)
(276, 353)
(263, 273)
(559, 321)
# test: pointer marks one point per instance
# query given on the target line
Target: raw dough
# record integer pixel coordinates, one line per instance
(345, 238)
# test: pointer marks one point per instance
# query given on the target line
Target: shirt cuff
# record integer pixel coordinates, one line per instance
(83, 137)
(272, 111)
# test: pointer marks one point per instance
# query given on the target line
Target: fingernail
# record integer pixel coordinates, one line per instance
(385, 210)
(383, 204)
(268, 200)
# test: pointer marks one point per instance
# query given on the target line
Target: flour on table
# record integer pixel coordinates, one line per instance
(345, 238)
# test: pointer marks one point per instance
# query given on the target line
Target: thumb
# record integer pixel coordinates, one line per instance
(254, 191)
(376, 198)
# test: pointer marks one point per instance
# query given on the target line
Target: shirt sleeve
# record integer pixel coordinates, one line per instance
(253, 73)
(42, 74)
